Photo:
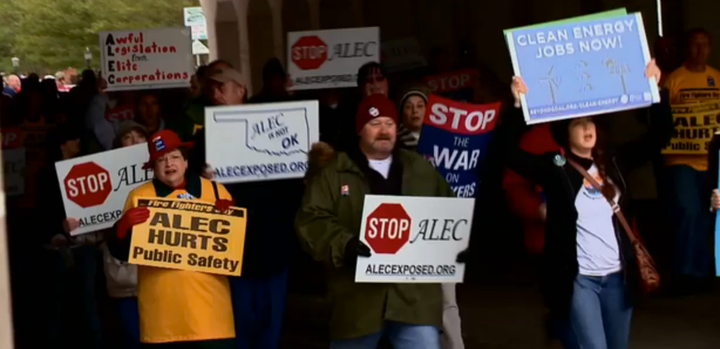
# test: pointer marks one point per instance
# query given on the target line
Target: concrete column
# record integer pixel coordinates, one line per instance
(241, 11)
(210, 10)
(314, 14)
(6, 321)
(278, 37)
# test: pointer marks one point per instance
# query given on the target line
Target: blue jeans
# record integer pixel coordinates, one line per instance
(258, 307)
(599, 314)
(401, 335)
(130, 320)
(691, 219)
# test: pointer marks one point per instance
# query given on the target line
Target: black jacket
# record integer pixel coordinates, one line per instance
(561, 184)
(270, 239)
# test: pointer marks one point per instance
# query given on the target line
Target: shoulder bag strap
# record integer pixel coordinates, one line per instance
(613, 204)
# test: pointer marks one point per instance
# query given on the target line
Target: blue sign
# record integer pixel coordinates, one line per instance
(583, 68)
(454, 138)
(717, 235)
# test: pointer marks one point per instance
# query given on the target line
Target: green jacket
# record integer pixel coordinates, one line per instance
(327, 220)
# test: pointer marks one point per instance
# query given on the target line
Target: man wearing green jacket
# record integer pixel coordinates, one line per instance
(328, 225)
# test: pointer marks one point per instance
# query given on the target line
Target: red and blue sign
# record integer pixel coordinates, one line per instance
(455, 137)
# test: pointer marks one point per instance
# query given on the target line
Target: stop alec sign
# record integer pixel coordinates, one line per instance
(387, 229)
(88, 184)
(309, 52)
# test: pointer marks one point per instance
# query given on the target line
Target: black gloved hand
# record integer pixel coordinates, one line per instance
(354, 249)
(462, 257)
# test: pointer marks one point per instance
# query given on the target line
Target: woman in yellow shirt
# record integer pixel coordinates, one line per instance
(178, 308)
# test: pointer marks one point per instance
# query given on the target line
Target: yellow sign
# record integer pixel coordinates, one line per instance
(695, 125)
(189, 235)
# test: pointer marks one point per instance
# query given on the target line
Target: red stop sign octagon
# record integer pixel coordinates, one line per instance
(88, 184)
(387, 228)
(309, 52)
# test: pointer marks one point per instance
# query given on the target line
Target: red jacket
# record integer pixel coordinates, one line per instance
(523, 197)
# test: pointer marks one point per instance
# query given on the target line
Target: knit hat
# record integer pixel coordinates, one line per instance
(420, 91)
(127, 127)
(374, 106)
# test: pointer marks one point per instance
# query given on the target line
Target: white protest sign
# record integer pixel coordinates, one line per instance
(95, 187)
(199, 49)
(14, 169)
(195, 19)
(402, 54)
(259, 142)
(414, 239)
(146, 58)
(330, 58)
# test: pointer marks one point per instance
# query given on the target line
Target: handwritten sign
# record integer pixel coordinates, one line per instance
(147, 58)
(695, 125)
(455, 137)
(583, 68)
(189, 235)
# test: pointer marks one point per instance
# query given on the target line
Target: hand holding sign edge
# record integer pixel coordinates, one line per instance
(518, 87)
(131, 218)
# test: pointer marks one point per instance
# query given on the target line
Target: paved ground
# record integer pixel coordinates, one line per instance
(505, 311)
(509, 315)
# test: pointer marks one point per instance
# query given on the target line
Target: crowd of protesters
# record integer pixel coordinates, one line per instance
(368, 138)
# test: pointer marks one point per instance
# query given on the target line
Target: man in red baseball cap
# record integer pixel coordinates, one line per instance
(187, 308)
(328, 224)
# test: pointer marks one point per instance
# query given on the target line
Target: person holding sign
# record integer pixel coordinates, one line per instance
(328, 225)
(188, 309)
(591, 274)
(695, 84)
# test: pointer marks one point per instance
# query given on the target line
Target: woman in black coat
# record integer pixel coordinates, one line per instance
(589, 271)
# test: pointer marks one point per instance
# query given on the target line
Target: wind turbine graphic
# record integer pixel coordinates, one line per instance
(552, 81)
(616, 68)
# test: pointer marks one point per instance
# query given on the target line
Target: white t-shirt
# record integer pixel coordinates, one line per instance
(381, 166)
(598, 253)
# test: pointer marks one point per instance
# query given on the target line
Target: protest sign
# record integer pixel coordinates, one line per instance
(12, 137)
(195, 19)
(414, 239)
(695, 125)
(94, 187)
(457, 85)
(455, 138)
(600, 15)
(259, 142)
(583, 68)
(14, 169)
(146, 58)
(717, 233)
(330, 58)
(402, 54)
(189, 235)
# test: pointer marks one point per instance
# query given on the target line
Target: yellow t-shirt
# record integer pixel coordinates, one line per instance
(179, 305)
(687, 87)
